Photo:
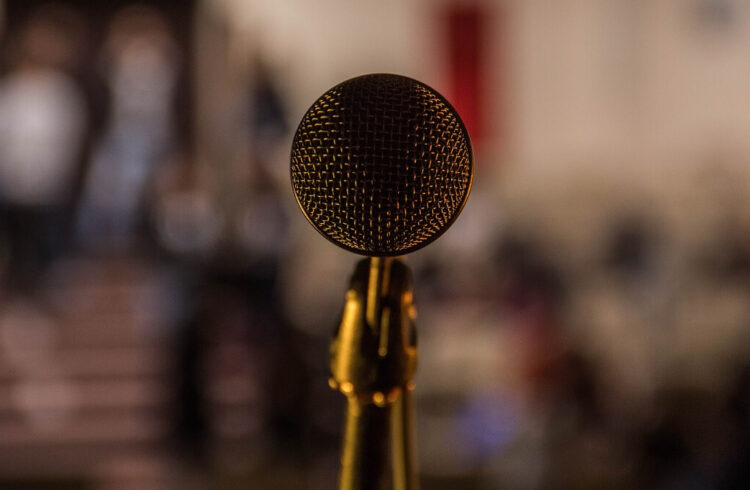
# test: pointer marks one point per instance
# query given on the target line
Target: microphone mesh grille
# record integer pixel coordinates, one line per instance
(381, 165)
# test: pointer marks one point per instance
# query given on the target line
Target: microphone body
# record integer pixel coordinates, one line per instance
(381, 165)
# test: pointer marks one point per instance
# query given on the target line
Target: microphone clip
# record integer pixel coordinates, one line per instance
(374, 349)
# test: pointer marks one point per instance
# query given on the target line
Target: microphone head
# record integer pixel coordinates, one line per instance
(381, 165)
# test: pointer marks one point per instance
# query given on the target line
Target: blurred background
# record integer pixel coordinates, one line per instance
(165, 310)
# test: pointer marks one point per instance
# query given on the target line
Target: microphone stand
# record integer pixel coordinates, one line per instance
(373, 362)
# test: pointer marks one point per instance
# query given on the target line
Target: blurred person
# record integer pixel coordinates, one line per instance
(532, 292)
(267, 125)
(685, 446)
(228, 225)
(261, 237)
(564, 392)
(141, 70)
(262, 224)
(43, 120)
(265, 236)
(736, 473)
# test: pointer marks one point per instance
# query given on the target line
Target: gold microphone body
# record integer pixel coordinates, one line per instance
(381, 165)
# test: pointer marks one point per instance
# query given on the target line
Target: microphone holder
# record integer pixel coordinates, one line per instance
(373, 362)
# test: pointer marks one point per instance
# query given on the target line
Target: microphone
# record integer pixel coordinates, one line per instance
(381, 165)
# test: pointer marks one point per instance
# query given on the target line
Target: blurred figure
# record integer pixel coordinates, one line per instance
(141, 64)
(42, 127)
(737, 412)
(227, 224)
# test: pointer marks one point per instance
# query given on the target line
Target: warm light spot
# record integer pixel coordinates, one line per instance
(347, 387)
(379, 399)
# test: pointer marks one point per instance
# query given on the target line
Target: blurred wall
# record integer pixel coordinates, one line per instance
(571, 83)
(651, 83)
(321, 43)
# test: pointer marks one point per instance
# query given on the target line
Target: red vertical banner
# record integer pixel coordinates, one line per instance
(465, 24)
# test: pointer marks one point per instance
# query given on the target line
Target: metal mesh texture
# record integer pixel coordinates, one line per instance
(381, 165)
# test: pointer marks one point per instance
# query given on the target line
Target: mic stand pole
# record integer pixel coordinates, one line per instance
(403, 436)
(373, 361)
